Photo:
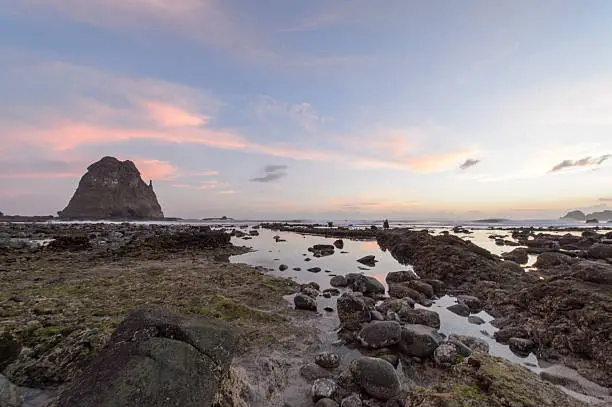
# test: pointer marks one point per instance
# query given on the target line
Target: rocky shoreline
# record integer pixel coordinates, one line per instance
(79, 297)
(564, 313)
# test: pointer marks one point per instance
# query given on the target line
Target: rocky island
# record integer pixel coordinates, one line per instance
(595, 217)
(113, 189)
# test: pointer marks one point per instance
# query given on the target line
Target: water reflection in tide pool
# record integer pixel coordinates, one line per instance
(270, 254)
(294, 251)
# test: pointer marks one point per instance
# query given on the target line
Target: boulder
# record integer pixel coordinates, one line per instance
(283, 267)
(9, 349)
(352, 401)
(473, 343)
(399, 290)
(521, 346)
(309, 291)
(395, 305)
(422, 287)
(156, 358)
(459, 309)
(321, 250)
(446, 355)
(593, 272)
(326, 403)
(378, 335)
(312, 372)
(553, 259)
(305, 302)
(419, 316)
(338, 281)
(476, 320)
(401, 276)
(473, 303)
(369, 261)
(112, 189)
(375, 377)
(352, 311)
(600, 251)
(419, 340)
(332, 291)
(365, 284)
(518, 256)
(328, 360)
(339, 244)
(323, 389)
(510, 268)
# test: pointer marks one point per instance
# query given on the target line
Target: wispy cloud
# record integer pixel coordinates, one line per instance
(581, 163)
(470, 162)
(272, 173)
(118, 109)
(212, 184)
(269, 110)
(227, 192)
(214, 23)
(605, 199)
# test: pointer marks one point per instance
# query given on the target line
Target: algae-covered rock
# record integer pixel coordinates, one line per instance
(486, 381)
(156, 358)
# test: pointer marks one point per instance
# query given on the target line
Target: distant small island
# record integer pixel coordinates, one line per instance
(603, 216)
(493, 220)
(222, 218)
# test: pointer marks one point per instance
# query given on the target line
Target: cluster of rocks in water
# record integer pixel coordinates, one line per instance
(562, 312)
(393, 332)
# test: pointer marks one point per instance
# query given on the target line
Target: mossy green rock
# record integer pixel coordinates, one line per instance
(156, 358)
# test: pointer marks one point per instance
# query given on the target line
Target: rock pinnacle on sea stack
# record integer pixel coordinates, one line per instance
(113, 189)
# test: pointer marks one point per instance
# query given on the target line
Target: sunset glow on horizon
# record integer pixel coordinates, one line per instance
(321, 109)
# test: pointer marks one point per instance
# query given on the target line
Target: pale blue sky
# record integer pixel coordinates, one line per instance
(372, 106)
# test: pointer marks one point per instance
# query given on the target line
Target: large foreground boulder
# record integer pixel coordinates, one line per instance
(113, 189)
(156, 358)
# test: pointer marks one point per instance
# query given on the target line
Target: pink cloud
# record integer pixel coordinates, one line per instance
(438, 161)
(167, 115)
(156, 170)
(69, 135)
(227, 192)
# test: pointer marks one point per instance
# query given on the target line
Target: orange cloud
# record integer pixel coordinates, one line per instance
(438, 162)
(166, 115)
(156, 170)
(70, 135)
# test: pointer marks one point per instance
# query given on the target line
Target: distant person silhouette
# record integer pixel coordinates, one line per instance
(386, 224)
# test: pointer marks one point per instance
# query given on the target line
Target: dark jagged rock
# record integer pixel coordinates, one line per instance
(519, 256)
(156, 358)
(112, 189)
(352, 311)
(378, 335)
(376, 377)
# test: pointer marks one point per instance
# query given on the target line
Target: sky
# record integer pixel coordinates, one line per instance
(337, 109)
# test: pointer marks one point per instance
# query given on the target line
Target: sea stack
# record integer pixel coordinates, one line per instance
(113, 189)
